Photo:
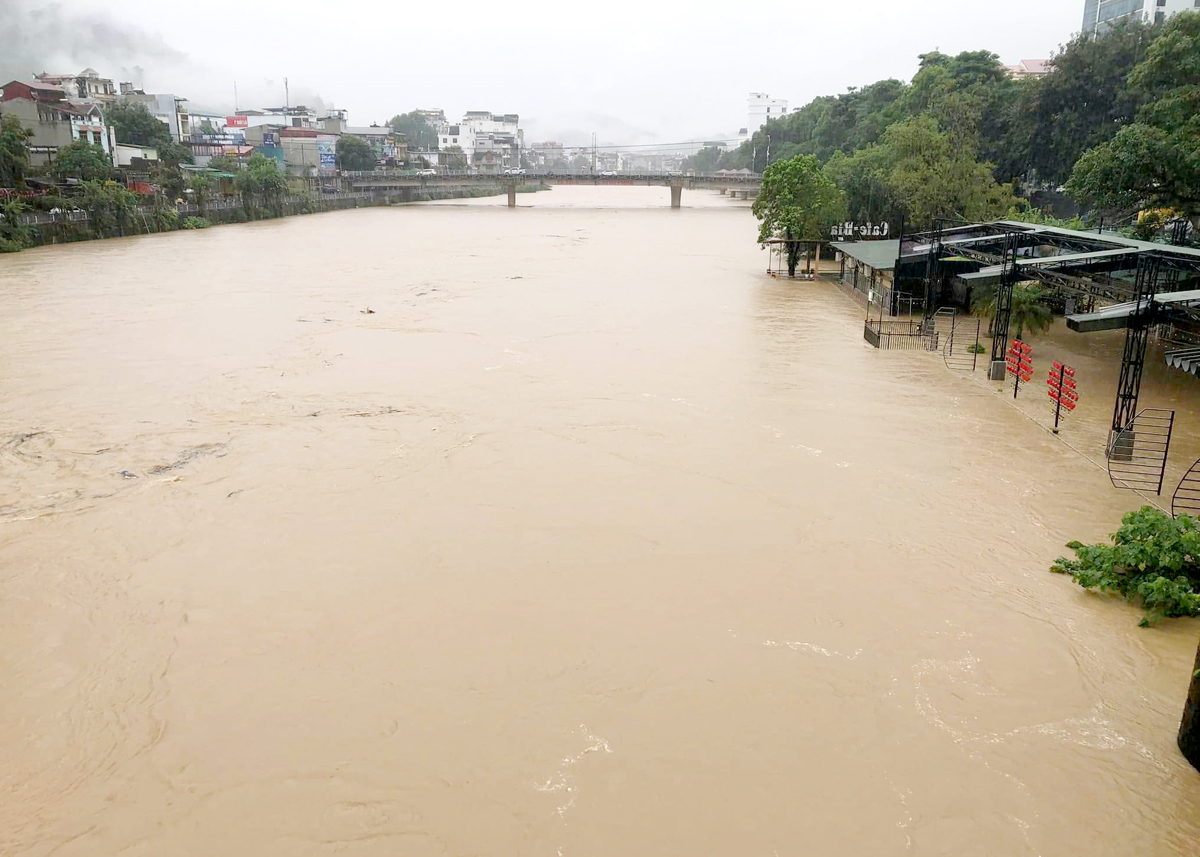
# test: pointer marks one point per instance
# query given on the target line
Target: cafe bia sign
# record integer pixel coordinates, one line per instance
(857, 231)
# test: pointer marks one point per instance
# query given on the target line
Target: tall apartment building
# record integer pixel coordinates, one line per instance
(760, 108)
(1099, 15)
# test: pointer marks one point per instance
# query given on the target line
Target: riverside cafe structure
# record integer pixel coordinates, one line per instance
(1104, 281)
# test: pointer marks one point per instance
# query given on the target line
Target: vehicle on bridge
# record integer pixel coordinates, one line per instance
(515, 171)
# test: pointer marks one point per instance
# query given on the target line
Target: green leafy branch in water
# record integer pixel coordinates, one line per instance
(1154, 560)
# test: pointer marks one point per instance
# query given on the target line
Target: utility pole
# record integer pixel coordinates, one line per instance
(287, 99)
(235, 99)
(593, 153)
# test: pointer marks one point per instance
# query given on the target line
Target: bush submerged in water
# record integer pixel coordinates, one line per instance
(196, 223)
(1154, 561)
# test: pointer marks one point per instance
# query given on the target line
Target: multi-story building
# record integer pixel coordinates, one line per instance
(55, 122)
(492, 142)
(384, 142)
(166, 107)
(760, 107)
(547, 156)
(87, 86)
(1100, 15)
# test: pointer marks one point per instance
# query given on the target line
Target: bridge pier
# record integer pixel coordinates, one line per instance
(676, 195)
(512, 196)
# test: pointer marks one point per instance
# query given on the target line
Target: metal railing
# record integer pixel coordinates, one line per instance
(911, 334)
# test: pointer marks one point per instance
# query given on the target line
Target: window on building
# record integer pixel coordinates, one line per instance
(456, 139)
(1162, 2)
(1159, 17)
(97, 138)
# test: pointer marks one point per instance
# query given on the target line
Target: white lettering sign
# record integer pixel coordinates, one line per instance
(849, 231)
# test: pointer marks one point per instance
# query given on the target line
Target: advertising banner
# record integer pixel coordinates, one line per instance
(237, 121)
(327, 149)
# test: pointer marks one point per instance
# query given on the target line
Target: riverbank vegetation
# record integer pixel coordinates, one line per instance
(798, 200)
(1153, 561)
(1116, 119)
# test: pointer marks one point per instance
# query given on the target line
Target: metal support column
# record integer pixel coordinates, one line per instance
(1133, 359)
(1004, 293)
(933, 270)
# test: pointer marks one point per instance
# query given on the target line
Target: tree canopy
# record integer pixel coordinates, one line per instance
(82, 160)
(1155, 161)
(14, 151)
(797, 200)
(354, 153)
(137, 126)
(261, 183)
(707, 160)
(921, 172)
(1130, 93)
(416, 129)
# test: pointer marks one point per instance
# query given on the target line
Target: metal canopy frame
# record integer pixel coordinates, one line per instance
(1094, 265)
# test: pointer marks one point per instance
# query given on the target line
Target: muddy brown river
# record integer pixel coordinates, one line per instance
(451, 529)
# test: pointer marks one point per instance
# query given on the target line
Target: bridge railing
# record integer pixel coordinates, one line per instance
(549, 174)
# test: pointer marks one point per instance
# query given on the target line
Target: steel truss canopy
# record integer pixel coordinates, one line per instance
(1097, 264)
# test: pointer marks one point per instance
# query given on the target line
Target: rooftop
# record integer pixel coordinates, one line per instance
(880, 255)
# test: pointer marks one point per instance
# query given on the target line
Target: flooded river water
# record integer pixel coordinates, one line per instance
(450, 529)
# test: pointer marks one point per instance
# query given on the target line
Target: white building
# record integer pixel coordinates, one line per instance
(1100, 15)
(491, 141)
(760, 108)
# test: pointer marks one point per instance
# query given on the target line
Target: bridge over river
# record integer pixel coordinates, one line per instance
(743, 185)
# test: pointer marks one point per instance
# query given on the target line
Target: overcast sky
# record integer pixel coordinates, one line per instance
(630, 70)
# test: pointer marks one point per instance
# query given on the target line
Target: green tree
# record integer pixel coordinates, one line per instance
(1154, 162)
(1152, 561)
(933, 175)
(797, 201)
(1081, 103)
(354, 153)
(456, 158)
(261, 184)
(224, 164)
(707, 160)
(865, 179)
(1029, 315)
(14, 151)
(137, 126)
(83, 160)
(14, 235)
(201, 187)
(109, 206)
(416, 129)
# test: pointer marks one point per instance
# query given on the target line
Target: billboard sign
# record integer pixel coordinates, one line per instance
(327, 149)
(237, 121)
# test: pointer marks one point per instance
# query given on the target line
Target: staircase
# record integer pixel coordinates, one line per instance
(960, 346)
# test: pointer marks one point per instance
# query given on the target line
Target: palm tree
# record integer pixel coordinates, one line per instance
(1029, 314)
